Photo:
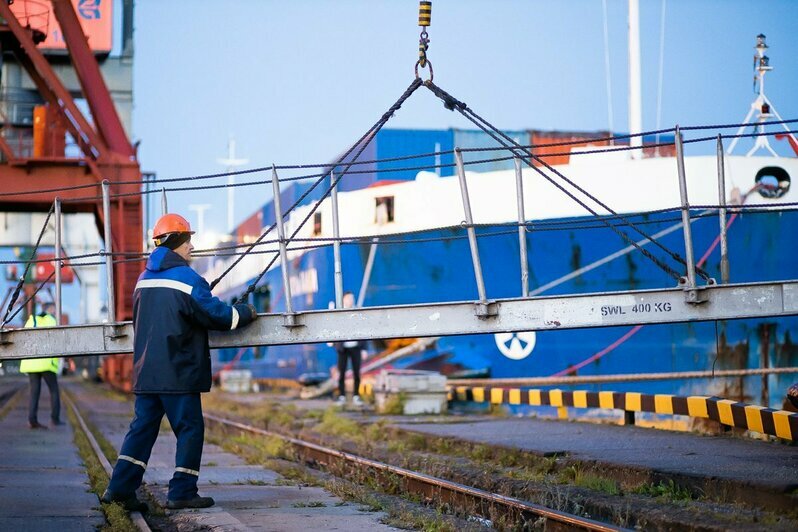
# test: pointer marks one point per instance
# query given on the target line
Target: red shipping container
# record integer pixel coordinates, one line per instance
(561, 154)
(250, 229)
(95, 17)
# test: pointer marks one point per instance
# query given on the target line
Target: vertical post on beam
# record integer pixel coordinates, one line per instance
(109, 256)
(519, 192)
(338, 272)
(278, 216)
(724, 244)
(688, 233)
(58, 256)
(364, 284)
(472, 237)
(164, 206)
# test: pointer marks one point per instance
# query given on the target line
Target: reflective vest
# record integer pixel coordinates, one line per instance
(39, 365)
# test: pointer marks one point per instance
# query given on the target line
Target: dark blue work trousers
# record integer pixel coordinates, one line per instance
(184, 412)
(35, 380)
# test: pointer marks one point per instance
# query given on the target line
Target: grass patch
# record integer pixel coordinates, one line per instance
(376, 431)
(108, 392)
(271, 453)
(336, 425)
(481, 453)
(268, 447)
(269, 414)
(407, 518)
(116, 517)
(667, 491)
(355, 493)
(314, 413)
(526, 474)
(395, 404)
(105, 446)
(576, 476)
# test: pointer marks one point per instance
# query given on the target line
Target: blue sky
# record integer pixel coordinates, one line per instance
(298, 81)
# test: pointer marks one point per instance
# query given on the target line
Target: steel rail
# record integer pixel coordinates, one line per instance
(631, 377)
(136, 517)
(457, 490)
(7, 395)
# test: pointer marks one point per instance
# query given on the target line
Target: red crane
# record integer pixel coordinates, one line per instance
(105, 150)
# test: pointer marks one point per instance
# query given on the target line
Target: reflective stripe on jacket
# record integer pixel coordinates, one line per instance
(173, 308)
(40, 365)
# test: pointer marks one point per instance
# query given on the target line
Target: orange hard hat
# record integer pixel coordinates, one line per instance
(171, 223)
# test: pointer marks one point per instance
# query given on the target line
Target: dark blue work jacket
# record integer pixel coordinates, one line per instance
(173, 308)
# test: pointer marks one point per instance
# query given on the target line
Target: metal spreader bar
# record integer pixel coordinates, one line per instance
(641, 307)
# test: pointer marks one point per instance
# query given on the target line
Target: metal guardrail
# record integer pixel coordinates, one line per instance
(780, 423)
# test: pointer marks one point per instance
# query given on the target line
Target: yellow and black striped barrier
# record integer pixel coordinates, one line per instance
(732, 413)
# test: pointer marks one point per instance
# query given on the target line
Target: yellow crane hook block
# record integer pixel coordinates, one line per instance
(424, 13)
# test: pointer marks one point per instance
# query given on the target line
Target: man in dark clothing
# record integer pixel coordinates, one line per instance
(172, 311)
(350, 350)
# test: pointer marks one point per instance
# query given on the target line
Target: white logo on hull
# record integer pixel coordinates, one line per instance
(516, 346)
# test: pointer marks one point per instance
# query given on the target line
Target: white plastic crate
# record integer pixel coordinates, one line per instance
(235, 380)
(421, 392)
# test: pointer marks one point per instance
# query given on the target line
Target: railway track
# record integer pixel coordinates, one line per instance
(8, 393)
(136, 517)
(486, 505)
(483, 505)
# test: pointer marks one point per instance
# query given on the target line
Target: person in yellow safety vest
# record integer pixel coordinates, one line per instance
(42, 368)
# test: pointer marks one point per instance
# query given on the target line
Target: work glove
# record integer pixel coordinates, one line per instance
(246, 314)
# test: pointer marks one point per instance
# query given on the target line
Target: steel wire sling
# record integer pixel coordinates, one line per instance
(363, 142)
(21, 281)
(30, 297)
(674, 255)
(452, 104)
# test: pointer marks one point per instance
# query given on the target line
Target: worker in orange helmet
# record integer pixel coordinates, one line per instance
(173, 309)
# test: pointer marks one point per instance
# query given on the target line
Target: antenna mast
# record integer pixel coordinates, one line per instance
(761, 105)
(231, 163)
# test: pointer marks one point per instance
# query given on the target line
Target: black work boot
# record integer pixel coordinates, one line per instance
(196, 502)
(131, 503)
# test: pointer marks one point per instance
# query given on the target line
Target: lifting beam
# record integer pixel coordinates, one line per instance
(642, 307)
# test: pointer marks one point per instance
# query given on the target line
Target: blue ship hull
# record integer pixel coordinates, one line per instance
(440, 270)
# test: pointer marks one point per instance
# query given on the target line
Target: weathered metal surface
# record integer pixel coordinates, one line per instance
(725, 302)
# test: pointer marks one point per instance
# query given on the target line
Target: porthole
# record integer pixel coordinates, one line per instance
(772, 182)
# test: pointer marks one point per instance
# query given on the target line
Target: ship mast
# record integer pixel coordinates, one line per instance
(761, 105)
(635, 105)
(231, 162)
